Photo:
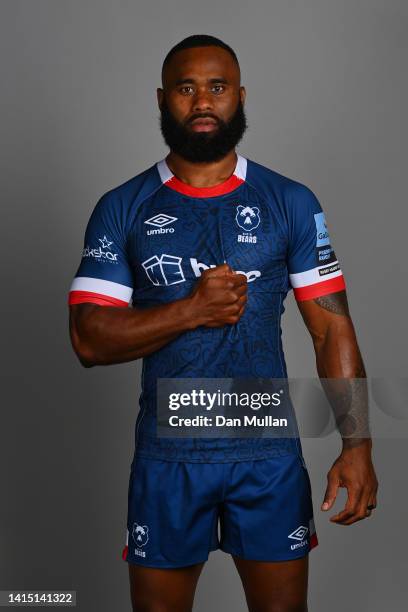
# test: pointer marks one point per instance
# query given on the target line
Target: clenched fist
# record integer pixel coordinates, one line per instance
(219, 297)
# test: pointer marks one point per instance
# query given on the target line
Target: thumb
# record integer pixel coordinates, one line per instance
(331, 493)
(220, 270)
(227, 267)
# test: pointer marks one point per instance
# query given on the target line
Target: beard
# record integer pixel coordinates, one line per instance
(202, 146)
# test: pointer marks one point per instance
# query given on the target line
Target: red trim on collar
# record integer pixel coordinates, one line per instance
(205, 192)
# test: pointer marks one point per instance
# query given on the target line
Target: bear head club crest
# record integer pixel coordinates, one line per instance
(140, 534)
(247, 217)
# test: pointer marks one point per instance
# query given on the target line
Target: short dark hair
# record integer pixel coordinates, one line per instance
(198, 40)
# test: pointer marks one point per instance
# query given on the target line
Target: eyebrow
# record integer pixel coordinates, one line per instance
(190, 80)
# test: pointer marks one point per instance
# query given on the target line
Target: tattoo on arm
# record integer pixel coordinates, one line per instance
(347, 396)
(334, 302)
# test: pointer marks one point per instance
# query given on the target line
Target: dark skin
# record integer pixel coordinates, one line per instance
(206, 81)
(202, 81)
(338, 356)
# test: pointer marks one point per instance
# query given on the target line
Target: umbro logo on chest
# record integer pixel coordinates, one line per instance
(160, 223)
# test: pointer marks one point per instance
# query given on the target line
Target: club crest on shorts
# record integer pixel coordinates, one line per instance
(140, 534)
(247, 219)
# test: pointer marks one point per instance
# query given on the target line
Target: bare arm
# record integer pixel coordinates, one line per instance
(338, 357)
(103, 335)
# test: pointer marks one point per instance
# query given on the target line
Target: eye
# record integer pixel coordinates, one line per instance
(218, 88)
(186, 89)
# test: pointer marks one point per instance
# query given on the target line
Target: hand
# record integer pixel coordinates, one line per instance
(354, 470)
(219, 297)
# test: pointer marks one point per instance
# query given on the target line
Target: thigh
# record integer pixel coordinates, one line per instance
(274, 586)
(163, 590)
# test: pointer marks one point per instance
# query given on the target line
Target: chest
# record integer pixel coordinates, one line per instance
(173, 239)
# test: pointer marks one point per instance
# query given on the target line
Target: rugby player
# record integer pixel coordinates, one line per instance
(186, 266)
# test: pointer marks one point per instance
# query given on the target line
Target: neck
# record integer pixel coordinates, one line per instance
(202, 174)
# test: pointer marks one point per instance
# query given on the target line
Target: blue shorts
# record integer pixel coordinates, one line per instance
(263, 507)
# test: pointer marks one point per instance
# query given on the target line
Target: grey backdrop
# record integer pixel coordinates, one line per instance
(327, 100)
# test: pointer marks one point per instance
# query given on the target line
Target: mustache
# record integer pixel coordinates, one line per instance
(202, 116)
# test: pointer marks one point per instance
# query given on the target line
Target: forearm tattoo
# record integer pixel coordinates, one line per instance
(348, 397)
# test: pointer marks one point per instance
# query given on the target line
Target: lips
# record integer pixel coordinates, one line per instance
(203, 124)
(204, 121)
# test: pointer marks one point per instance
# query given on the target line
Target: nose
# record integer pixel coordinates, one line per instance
(202, 101)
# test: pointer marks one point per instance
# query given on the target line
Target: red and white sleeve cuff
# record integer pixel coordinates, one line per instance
(312, 284)
(101, 292)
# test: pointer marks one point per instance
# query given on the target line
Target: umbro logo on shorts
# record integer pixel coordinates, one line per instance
(299, 534)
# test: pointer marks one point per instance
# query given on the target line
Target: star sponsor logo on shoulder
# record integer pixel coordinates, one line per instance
(102, 253)
(159, 223)
(247, 219)
(105, 242)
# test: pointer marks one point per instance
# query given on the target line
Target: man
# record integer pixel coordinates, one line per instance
(206, 244)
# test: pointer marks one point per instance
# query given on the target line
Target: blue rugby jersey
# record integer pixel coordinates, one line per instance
(147, 243)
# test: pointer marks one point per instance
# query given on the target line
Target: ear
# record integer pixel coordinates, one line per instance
(242, 94)
(160, 95)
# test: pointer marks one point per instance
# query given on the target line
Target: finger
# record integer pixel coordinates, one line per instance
(353, 499)
(220, 270)
(331, 493)
(372, 503)
(375, 495)
(241, 292)
(242, 300)
(241, 275)
(238, 307)
(227, 282)
(233, 294)
(242, 309)
(362, 510)
(239, 279)
(366, 506)
(351, 507)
